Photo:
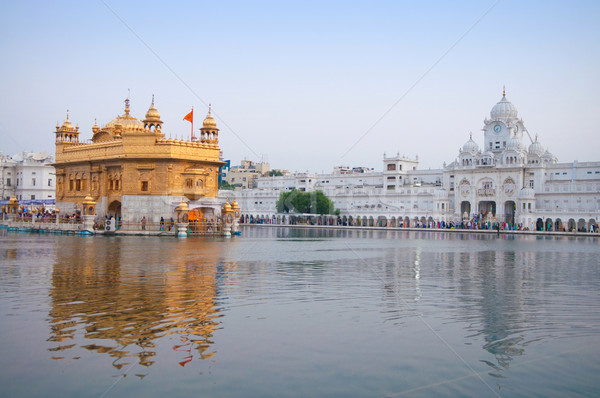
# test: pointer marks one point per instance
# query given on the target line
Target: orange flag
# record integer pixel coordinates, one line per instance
(190, 117)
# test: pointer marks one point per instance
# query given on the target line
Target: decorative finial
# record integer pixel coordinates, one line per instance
(67, 114)
(470, 135)
(127, 106)
(504, 91)
(209, 106)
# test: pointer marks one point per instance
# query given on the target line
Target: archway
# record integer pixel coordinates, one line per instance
(581, 225)
(465, 207)
(548, 226)
(487, 206)
(509, 211)
(539, 225)
(114, 209)
(592, 226)
(558, 225)
(571, 225)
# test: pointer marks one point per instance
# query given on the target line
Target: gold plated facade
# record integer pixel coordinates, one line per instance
(129, 157)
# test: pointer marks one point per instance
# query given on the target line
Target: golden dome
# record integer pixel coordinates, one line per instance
(152, 114)
(209, 122)
(182, 206)
(126, 121)
(95, 127)
(227, 207)
(88, 200)
(67, 124)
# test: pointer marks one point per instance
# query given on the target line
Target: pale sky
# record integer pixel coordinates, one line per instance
(306, 85)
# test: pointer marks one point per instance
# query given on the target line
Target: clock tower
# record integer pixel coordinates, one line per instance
(502, 126)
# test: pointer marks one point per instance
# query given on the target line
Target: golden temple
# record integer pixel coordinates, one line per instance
(132, 171)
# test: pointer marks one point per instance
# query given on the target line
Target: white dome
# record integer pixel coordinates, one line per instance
(504, 110)
(548, 157)
(515, 144)
(470, 146)
(536, 148)
(488, 154)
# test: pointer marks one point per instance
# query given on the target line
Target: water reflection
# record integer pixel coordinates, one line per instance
(110, 298)
(363, 313)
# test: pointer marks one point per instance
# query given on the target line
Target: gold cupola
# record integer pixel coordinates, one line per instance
(209, 122)
(152, 120)
(95, 127)
(66, 132)
(209, 133)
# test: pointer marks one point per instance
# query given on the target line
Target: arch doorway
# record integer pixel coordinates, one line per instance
(114, 209)
(465, 208)
(487, 207)
(509, 211)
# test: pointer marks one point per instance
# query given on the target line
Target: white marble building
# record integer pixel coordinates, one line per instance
(28, 177)
(511, 178)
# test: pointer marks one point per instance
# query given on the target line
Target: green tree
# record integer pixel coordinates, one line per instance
(304, 202)
(226, 185)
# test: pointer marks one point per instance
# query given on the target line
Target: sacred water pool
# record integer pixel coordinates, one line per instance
(284, 312)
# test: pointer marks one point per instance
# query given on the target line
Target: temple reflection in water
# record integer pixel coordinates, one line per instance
(107, 299)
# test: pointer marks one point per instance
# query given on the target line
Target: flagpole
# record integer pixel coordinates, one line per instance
(192, 124)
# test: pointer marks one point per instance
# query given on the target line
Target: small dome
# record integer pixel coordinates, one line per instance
(504, 109)
(183, 206)
(470, 146)
(95, 127)
(209, 122)
(536, 148)
(515, 144)
(549, 157)
(67, 124)
(152, 114)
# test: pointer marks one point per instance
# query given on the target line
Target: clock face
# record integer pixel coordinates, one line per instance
(497, 128)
